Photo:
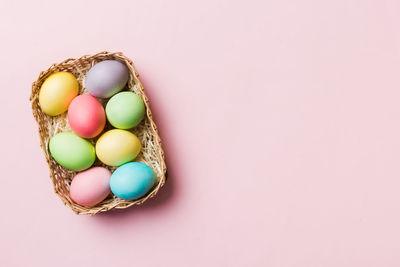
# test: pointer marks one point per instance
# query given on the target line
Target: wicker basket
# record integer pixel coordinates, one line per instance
(151, 154)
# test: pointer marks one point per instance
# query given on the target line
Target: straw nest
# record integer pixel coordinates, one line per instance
(151, 153)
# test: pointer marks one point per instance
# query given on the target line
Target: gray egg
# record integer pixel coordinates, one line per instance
(106, 78)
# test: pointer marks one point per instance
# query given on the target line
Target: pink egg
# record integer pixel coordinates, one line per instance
(90, 187)
(86, 116)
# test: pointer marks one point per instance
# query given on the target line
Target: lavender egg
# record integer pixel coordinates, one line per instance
(106, 78)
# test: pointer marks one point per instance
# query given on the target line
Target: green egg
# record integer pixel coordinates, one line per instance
(125, 110)
(72, 151)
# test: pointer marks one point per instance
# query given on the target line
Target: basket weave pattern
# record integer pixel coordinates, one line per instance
(152, 153)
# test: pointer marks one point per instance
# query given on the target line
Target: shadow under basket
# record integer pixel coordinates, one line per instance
(152, 153)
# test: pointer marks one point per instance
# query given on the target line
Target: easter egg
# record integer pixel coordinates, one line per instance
(116, 147)
(132, 180)
(72, 151)
(86, 116)
(57, 92)
(125, 110)
(106, 78)
(90, 187)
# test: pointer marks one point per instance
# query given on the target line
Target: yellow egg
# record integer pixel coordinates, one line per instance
(116, 147)
(57, 92)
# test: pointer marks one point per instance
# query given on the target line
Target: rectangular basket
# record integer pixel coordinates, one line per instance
(151, 154)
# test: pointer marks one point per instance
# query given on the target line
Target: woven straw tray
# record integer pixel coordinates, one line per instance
(151, 153)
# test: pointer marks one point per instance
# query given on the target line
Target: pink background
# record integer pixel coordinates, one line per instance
(280, 122)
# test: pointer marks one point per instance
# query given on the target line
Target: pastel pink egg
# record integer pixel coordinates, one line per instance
(86, 116)
(90, 187)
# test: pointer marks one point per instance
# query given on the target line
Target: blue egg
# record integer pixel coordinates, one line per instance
(132, 180)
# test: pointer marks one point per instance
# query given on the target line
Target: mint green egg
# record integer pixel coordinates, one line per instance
(72, 151)
(125, 110)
